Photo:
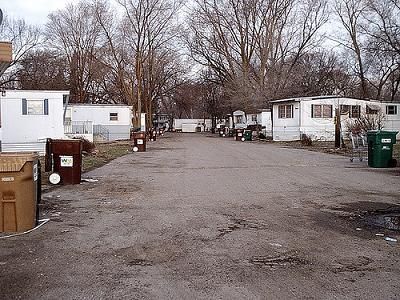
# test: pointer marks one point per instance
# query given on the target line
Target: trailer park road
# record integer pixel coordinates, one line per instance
(202, 217)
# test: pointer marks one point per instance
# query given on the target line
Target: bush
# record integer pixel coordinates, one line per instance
(364, 123)
(262, 136)
(87, 146)
(306, 140)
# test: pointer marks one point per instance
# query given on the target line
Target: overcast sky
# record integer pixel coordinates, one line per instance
(33, 11)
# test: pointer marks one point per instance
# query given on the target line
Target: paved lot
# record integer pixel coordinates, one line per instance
(201, 217)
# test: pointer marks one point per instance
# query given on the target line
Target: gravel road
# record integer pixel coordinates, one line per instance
(202, 217)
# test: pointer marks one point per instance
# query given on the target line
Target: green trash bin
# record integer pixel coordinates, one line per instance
(380, 148)
(248, 135)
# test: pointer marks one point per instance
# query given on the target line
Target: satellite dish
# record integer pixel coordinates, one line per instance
(1, 16)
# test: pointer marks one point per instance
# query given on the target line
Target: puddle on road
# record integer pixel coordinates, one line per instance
(371, 214)
(389, 221)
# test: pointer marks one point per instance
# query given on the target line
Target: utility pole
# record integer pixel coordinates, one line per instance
(337, 127)
(139, 88)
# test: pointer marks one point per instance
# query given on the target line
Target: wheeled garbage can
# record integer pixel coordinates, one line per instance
(248, 135)
(64, 160)
(239, 134)
(380, 148)
(138, 141)
(19, 191)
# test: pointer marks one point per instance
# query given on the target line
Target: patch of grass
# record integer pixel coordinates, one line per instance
(104, 153)
(396, 150)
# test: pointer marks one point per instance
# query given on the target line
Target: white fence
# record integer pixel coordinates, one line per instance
(83, 129)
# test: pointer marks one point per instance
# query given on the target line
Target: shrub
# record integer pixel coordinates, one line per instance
(87, 146)
(306, 140)
(365, 122)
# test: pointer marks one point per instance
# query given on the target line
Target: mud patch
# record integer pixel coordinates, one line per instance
(237, 223)
(151, 253)
(139, 262)
(359, 264)
(363, 214)
(363, 207)
(283, 260)
(77, 225)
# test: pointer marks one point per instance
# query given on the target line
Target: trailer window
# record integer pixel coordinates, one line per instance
(371, 110)
(113, 116)
(391, 110)
(35, 107)
(344, 109)
(285, 111)
(355, 111)
(321, 111)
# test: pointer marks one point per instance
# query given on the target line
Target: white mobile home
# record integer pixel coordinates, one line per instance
(192, 125)
(266, 122)
(29, 117)
(109, 121)
(314, 116)
(262, 118)
(392, 116)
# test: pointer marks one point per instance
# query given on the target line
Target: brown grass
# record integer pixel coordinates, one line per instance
(104, 153)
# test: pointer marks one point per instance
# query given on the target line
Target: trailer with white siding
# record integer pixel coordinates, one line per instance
(28, 118)
(192, 125)
(110, 121)
(315, 116)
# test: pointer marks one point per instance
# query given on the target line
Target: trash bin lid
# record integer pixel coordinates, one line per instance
(14, 162)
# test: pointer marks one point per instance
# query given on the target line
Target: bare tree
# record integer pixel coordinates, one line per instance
(114, 54)
(151, 27)
(350, 13)
(43, 70)
(74, 32)
(253, 46)
(24, 38)
(383, 34)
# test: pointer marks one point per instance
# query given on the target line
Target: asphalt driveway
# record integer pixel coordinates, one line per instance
(202, 217)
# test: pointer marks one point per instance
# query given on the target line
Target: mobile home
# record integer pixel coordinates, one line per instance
(192, 125)
(314, 116)
(106, 122)
(28, 118)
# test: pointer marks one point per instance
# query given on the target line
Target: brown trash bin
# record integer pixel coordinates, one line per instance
(19, 191)
(239, 135)
(64, 157)
(153, 135)
(139, 141)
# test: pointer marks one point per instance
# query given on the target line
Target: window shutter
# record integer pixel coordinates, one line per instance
(24, 107)
(46, 106)
(312, 110)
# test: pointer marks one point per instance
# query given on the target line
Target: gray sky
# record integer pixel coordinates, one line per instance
(33, 11)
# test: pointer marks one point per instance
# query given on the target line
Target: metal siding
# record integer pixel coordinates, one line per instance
(24, 147)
